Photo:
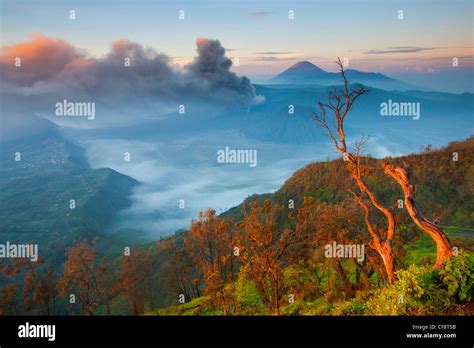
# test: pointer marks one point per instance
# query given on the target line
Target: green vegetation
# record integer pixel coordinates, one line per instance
(444, 193)
(423, 291)
(279, 266)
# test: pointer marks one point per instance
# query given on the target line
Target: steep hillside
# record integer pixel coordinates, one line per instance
(440, 182)
(36, 193)
(444, 187)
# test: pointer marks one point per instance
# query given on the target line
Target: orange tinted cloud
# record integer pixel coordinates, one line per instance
(201, 41)
(41, 59)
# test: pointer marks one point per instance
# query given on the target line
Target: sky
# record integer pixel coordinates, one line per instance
(259, 33)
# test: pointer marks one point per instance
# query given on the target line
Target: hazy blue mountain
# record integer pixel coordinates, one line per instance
(442, 115)
(308, 73)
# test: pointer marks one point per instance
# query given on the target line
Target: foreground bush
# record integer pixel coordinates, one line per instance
(424, 291)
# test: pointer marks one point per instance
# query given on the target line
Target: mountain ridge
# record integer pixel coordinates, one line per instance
(305, 72)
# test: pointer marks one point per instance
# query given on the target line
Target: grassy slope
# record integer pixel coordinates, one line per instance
(439, 180)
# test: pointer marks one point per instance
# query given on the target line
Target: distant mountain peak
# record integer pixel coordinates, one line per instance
(306, 66)
(300, 70)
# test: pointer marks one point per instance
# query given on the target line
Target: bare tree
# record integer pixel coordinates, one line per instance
(339, 103)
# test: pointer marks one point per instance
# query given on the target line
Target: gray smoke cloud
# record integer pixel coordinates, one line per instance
(55, 69)
(148, 74)
(211, 65)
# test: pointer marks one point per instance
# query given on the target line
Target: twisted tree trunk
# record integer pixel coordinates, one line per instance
(386, 251)
(443, 248)
(384, 248)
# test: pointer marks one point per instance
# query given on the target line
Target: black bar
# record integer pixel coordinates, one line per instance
(288, 330)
